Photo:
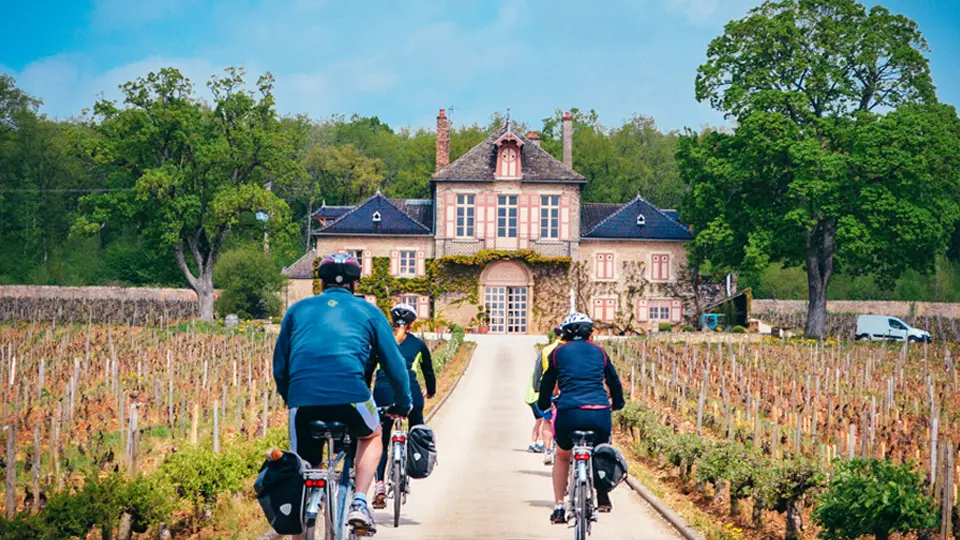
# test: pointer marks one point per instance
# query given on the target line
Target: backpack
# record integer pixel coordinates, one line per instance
(609, 467)
(421, 451)
(280, 491)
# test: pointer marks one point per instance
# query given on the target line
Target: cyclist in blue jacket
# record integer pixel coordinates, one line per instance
(414, 352)
(579, 368)
(325, 346)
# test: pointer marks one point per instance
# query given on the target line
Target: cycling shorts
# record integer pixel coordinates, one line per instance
(569, 420)
(537, 413)
(361, 420)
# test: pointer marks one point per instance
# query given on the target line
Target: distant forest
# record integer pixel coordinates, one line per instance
(47, 168)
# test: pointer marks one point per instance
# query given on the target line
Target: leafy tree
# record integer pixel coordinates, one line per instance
(249, 280)
(186, 172)
(874, 497)
(814, 175)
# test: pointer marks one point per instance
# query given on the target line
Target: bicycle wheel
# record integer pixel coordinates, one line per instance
(397, 479)
(329, 510)
(580, 511)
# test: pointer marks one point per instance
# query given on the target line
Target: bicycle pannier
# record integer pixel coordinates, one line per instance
(280, 489)
(421, 452)
(609, 467)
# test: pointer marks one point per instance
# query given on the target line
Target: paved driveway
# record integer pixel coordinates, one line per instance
(486, 485)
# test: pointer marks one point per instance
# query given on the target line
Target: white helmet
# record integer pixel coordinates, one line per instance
(576, 326)
(403, 314)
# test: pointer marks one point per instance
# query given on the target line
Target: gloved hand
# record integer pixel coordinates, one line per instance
(395, 412)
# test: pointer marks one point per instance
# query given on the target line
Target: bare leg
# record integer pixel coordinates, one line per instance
(369, 450)
(546, 434)
(561, 470)
(537, 428)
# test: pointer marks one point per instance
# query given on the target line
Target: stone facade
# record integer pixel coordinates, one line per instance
(508, 194)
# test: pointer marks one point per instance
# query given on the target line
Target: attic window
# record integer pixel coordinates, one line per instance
(508, 156)
(376, 217)
(641, 221)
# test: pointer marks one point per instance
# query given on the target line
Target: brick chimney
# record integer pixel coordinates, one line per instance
(443, 141)
(567, 140)
(533, 137)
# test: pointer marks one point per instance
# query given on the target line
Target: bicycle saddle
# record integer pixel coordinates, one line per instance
(586, 436)
(319, 429)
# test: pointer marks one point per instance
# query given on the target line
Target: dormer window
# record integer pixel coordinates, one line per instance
(509, 164)
(376, 217)
(641, 221)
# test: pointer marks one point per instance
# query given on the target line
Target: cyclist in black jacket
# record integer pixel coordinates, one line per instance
(579, 368)
(414, 351)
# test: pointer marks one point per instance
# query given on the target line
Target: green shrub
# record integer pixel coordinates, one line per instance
(688, 328)
(738, 330)
(68, 515)
(25, 526)
(874, 497)
(784, 485)
(149, 500)
(199, 475)
(682, 451)
(250, 282)
(665, 327)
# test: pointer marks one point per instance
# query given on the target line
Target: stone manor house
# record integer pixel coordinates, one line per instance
(513, 211)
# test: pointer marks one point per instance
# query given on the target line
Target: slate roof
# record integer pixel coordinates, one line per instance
(622, 224)
(479, 163)
(303, 268)
(421, 210)
(593, 213)
(393, 220)
(332, 211)
(671, 213)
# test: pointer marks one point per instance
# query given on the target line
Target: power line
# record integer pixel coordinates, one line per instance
(63, 190)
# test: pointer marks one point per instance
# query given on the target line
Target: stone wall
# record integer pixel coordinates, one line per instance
(869, 307)
(121, 305)
(296, 290)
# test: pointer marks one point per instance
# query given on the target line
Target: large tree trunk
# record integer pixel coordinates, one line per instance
(202, 283)
(820, 249)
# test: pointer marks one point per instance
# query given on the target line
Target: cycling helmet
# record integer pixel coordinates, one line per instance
(403, 314)
(339, 269)
(576, 326)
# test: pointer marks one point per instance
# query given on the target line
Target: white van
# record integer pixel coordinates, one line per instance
(879, 327)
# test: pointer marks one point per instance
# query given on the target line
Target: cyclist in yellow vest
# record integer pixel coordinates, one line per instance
(542, 429)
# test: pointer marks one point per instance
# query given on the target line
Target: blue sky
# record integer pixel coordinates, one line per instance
(404, 60)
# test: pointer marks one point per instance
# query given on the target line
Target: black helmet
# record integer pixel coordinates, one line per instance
(403, 314)
(576, 326)
(339, 269)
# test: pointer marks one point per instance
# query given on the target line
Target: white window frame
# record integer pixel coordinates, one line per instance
(549, 212)
(405, 299)
(468, 213)
(401, 262)
(507, 204)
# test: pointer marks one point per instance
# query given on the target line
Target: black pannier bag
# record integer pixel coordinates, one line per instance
(421, 451)
(609, 467)
(280, 492)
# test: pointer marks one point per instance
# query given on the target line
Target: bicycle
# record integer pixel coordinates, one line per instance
(398, 483)
(582, 498)
(329, 490)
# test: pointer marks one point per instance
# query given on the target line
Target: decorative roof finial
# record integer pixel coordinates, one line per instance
(508, 117)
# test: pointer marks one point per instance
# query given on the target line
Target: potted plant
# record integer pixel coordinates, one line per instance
(483, 321)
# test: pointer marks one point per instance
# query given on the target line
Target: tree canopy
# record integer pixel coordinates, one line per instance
(842, 159)
(186, 171)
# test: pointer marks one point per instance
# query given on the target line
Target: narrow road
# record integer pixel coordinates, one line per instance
(486, 485)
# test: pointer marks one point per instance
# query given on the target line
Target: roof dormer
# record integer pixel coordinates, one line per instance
(509, 163)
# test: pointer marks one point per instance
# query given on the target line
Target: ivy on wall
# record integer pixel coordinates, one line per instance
(457, 277)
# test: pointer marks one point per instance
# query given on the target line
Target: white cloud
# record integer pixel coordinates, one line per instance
(695, 11)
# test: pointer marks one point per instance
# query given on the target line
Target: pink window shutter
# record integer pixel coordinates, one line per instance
(676, 311)
(598, 309)
(655, 267)
(367, 262)
(394, 263)
(643, 311)
(534, 217)
(600, 266)
(423, 307)
(421, 263)
(665, 264)
(450, 229)
(564, 217)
